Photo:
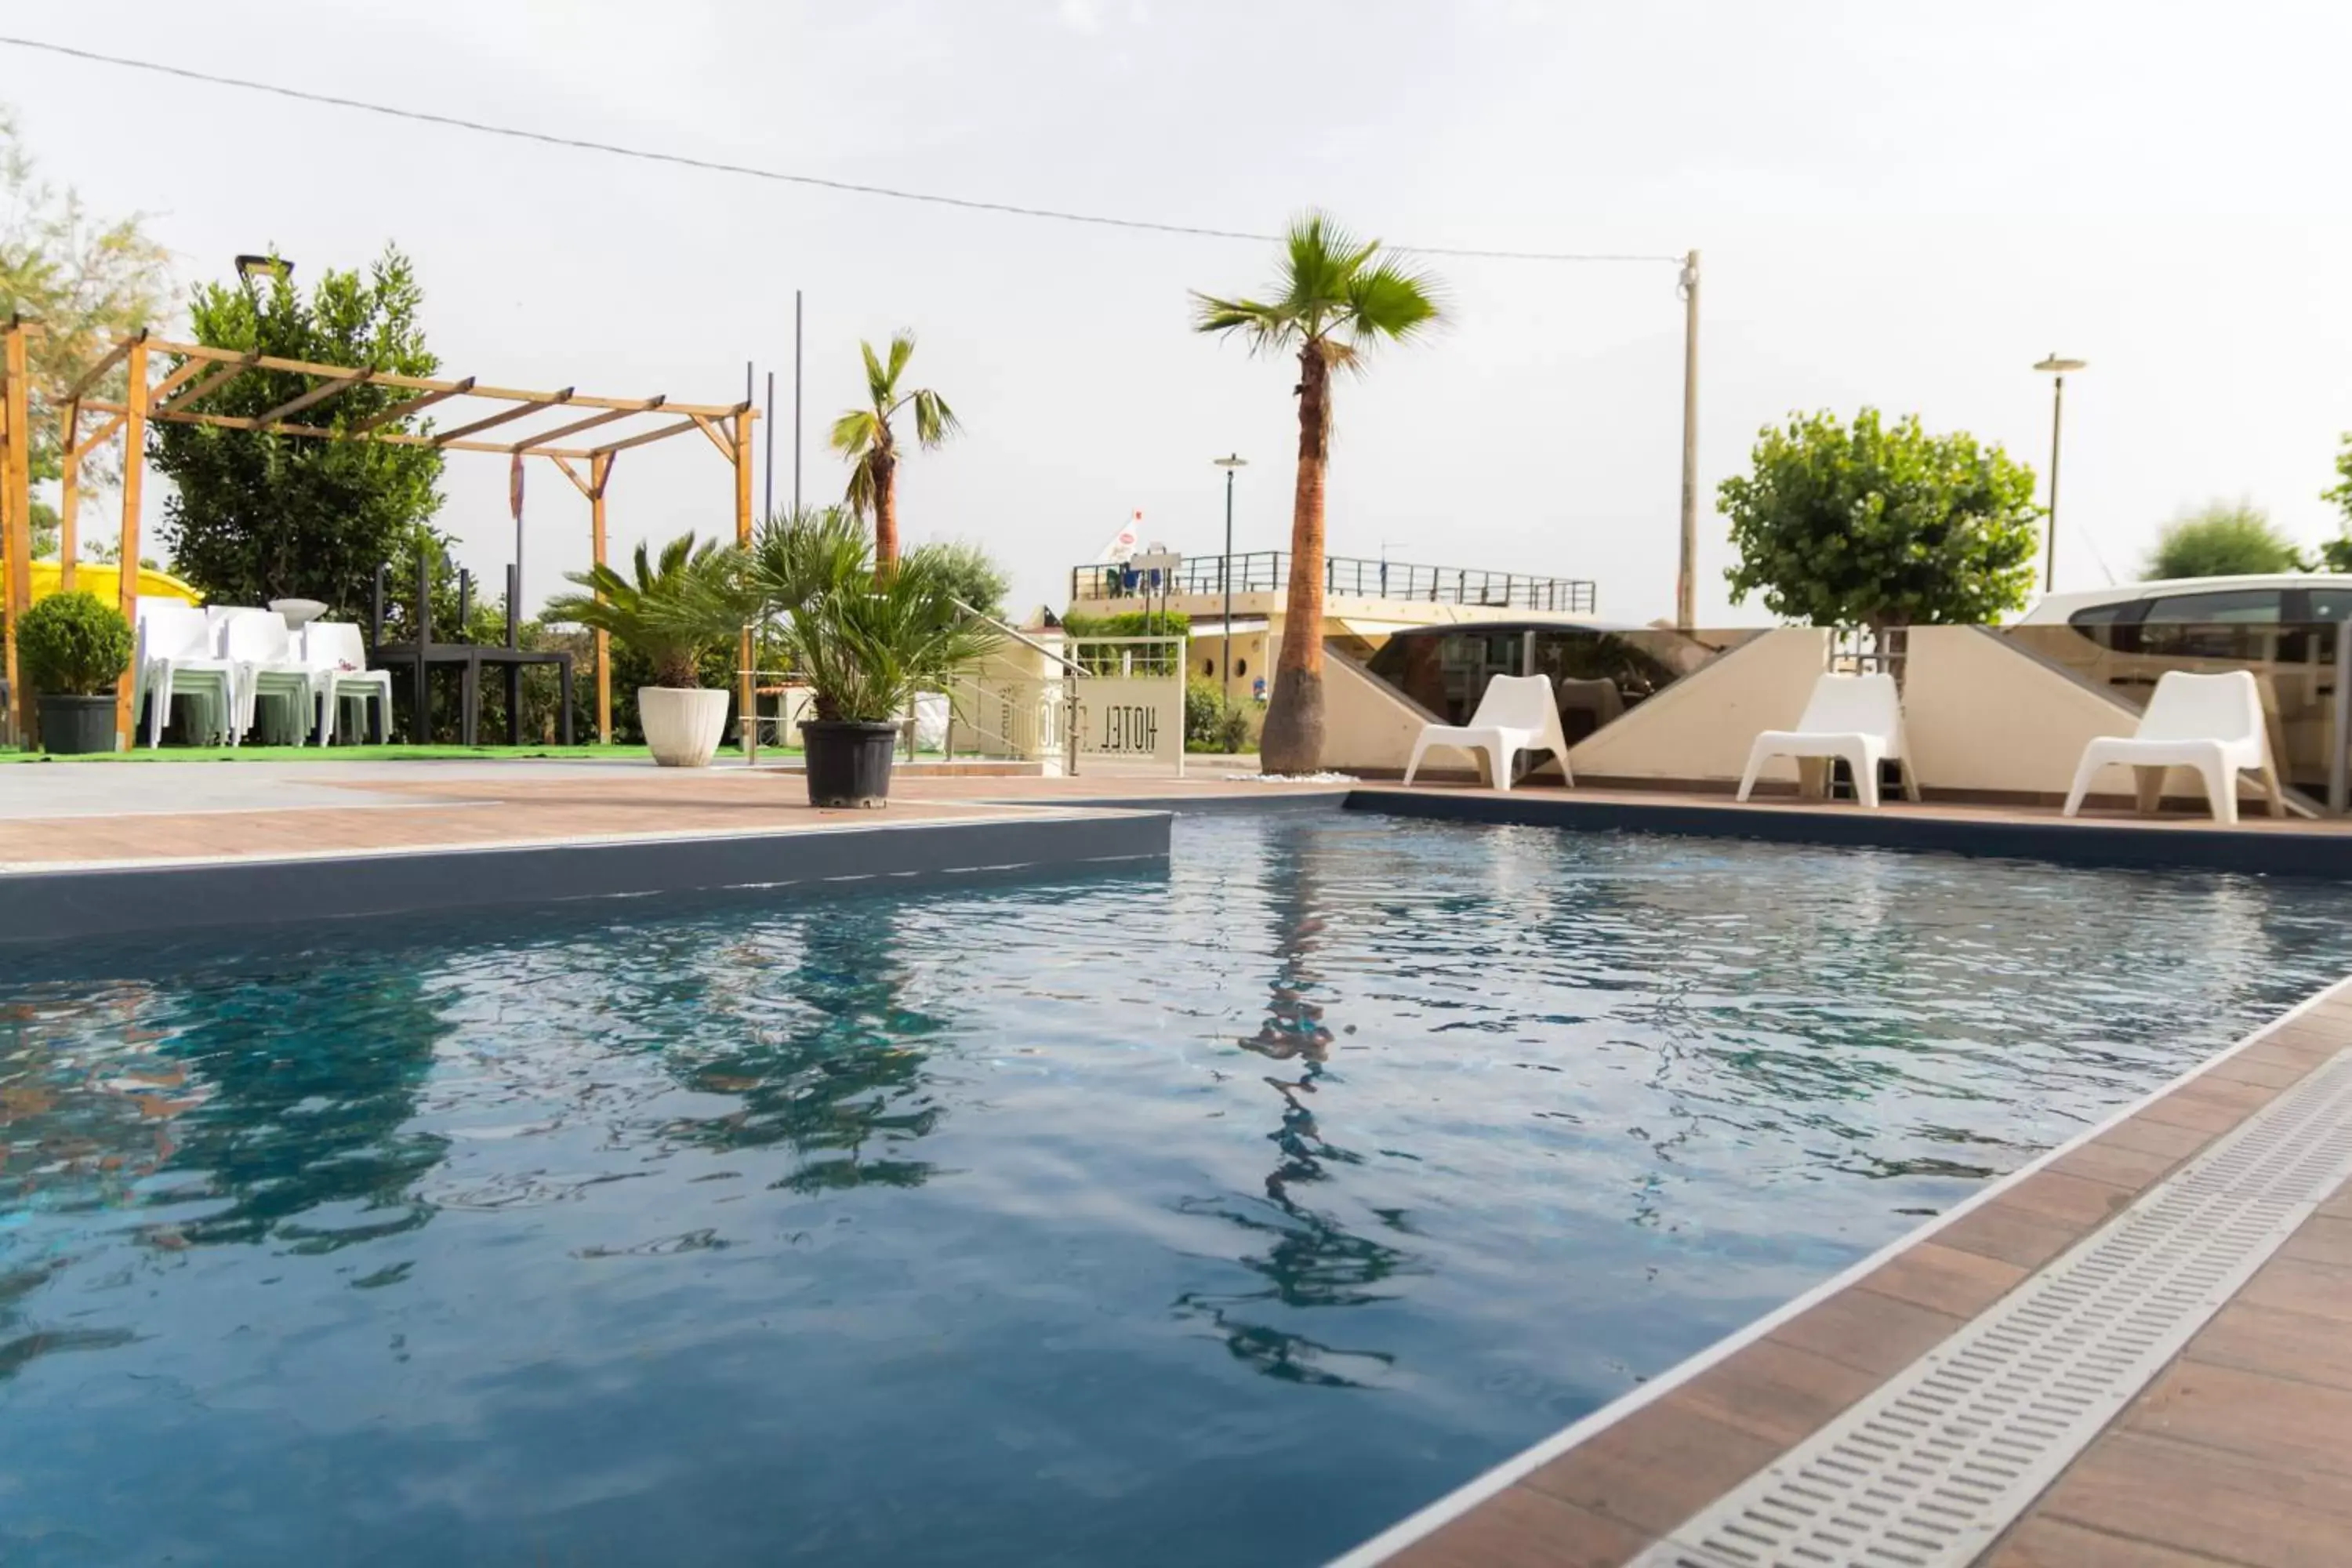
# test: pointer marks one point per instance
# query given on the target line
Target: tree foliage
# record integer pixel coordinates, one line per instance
(89, 283)
(1334, 300)
(2223, 539)
(673, 610)
(74, 645)
(1880, 525)
(2336, 554)
(262, 517)
(867, 438)
(978, 578)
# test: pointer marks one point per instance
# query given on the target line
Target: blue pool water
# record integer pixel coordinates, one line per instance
(1218, 1214)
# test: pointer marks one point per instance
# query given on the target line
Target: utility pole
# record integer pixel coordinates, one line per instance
(796, 400)
(1687, 578)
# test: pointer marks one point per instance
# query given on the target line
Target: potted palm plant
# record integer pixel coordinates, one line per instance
(866, 643)
(673, 609)
(74, 647)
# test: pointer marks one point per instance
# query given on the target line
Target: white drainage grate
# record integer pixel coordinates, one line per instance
(1927, 1470)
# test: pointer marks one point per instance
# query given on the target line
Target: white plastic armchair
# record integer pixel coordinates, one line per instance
(2212, 723)
(176, 657)
(261, 648)
(338, 673)
(1516, 713)
(1856, 717)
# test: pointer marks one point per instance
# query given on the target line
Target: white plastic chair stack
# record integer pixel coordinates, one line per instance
(2212, 723)
(338, 673)
(176, 657)
(1856, 717)
(262, 649)
(1516, 713)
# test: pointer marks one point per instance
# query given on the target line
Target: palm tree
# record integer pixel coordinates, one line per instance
(864, 436)
(1334, 300)
(675, 609)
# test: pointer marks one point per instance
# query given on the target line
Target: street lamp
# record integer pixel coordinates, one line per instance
(1226, 567)
(2057, 368)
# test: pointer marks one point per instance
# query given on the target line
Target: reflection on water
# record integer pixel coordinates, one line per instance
(1217, 1215)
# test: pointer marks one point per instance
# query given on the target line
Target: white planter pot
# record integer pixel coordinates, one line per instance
(682, 726)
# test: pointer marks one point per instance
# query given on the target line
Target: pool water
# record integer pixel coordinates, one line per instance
(1222, 1213)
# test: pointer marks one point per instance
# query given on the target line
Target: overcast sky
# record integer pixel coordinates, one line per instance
(1898, 205)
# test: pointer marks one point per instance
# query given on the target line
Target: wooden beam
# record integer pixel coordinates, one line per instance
(573, 475)
(600, 469)
(430, 384)
(69, 495)
(318, 393)
(400, 411)
(517, 412)
(126, 574)
(171, 383)
(16, 513)
(726, 448)
(220, 377)
(391, 437)
(99, 436)
(114, 356)
(664, 433)
(606, 417)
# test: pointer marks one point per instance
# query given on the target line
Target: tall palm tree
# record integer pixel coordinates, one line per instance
(864, 436)
(1335, 299)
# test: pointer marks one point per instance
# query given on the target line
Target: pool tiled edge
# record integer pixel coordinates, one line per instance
(1609, 1488)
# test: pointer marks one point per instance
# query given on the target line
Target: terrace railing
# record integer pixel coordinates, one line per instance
(1269, 572)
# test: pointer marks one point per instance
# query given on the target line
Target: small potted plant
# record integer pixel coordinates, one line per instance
(674, 610)
(866, 643)
(73, 648)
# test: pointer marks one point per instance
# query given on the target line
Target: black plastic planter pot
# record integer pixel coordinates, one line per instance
(75, 726)
(848, 761)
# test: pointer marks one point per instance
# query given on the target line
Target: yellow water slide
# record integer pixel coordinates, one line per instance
(93, 577)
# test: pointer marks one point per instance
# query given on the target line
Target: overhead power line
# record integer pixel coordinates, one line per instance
(721, 167)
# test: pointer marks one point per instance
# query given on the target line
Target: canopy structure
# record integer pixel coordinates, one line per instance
(197, 370)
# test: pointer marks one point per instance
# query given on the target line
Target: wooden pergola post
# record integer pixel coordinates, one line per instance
(600, 469)
(744, 681)
(126, 570)
(69, 497)
(16, 507)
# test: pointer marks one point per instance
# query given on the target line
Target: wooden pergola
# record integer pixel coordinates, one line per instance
(89, 421)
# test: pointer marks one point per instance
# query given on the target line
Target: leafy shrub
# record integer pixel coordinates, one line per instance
(74, 645)
(1212, 725)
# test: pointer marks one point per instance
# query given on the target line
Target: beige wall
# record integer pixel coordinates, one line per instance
(1368, 724)
(1703, 726)
(1205, 656)
(1980, 715)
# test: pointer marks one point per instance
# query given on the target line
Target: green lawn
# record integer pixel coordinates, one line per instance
(360, 753)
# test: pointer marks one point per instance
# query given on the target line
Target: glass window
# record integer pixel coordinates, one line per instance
(2330, 604)
(2236, 605)
(2107, 614)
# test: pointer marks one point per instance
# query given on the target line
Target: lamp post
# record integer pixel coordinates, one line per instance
(2057, 369)
(1226, 567)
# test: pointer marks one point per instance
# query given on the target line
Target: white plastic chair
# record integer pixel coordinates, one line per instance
(1856, 717)
(339, 672)
(257, 643)
(2212, 723)
(1516, 713)
(176, 657)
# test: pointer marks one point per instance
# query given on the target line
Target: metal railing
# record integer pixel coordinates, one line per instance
(1269, 572)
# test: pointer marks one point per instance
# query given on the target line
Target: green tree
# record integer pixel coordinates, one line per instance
(2336, 554)
(1879, 525)
(865, 438)
(2221, 539)
(673, 611)
(974, 576)
(89, 283)
(1333, 299)
(263, 517)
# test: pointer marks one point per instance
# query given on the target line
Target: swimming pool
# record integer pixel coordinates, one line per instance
(1223, 1213)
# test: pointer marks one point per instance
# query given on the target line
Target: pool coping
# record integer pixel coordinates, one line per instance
(1613, 1486)
(2124, 843)
(184, 897)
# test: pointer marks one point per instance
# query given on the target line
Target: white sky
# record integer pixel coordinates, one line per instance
(1897, 203)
